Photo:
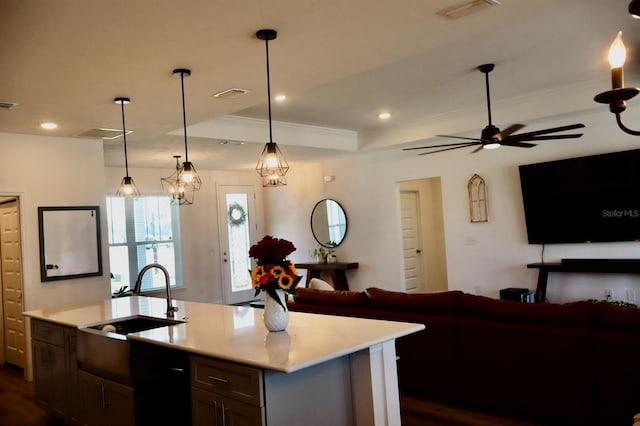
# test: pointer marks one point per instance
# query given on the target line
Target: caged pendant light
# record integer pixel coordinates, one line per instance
(272, 165)
(188, 175)
(128, 188)
(180, 194)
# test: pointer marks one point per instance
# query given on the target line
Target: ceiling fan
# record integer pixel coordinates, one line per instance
(491, 136)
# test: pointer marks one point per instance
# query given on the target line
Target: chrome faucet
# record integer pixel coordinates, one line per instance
(136, 289)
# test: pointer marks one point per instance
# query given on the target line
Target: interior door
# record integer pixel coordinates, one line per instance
(11, 264)
(411, 241)
(237, 229)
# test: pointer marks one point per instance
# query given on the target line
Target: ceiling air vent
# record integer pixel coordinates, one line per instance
(467, 8)
(230, 93)
(7, 105)
(103, 133)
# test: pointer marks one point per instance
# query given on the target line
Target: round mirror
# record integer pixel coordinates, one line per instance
(328, 223)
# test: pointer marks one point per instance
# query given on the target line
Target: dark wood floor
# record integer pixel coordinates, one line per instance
(16, 400)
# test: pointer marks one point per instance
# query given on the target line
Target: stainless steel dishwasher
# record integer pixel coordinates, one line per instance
(161, 384)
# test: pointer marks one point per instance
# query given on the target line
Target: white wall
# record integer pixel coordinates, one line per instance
(481, 257)
(50, 171)
(201, 257)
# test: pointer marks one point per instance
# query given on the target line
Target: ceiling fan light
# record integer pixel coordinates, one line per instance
(492, 145)
(634, 9)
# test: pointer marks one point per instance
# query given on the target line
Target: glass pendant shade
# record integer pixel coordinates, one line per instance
(128, 188)
(174, 187)
(272, 166)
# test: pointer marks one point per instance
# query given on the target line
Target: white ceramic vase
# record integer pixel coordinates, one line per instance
(276, 318)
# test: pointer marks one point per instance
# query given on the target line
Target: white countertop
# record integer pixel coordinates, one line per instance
(237, 333)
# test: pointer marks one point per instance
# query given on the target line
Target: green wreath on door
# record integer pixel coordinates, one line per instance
(237, 215)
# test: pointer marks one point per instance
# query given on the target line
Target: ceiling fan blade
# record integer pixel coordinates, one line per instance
(551, 130)
(437, 146)
(509, 130)
(518, 138)
(449, 149)
(552, 137)
(480, 148)
(459, 137)
(518, 144)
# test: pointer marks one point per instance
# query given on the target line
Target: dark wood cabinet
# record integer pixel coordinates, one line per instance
(105, 402)
(49, 378)
(212, 409)
(55, 370)
(226, 394)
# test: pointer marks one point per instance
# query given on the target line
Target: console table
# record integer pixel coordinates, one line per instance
(336, 269)
(610, 266)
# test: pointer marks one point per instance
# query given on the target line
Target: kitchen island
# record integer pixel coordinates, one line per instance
(322, 368)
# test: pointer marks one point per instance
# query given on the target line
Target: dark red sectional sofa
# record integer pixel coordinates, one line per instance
(558, 364)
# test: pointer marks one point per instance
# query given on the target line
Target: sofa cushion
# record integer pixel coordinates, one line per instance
(568, 315)
(442, 303)
(323, 297)
(319, 284)
(607, 316)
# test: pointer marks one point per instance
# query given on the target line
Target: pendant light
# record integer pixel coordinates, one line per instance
(173, 186)
(271, 165)
(128, 188)
(188, 174)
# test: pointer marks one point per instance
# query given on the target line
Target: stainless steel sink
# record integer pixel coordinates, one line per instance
(106, 353)
(134, 324)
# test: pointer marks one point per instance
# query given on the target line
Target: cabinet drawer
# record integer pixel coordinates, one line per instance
(212, 409)
(232, 380)
(47, 332)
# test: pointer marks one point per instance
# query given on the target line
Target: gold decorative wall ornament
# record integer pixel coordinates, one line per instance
(478, 202)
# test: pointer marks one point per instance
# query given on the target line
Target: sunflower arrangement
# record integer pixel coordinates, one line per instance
(273, 270)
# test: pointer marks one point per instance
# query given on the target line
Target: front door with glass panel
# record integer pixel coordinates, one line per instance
(237, 234)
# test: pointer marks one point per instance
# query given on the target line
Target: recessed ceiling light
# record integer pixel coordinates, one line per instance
(384, 115)
(280, 98)
(48, 125)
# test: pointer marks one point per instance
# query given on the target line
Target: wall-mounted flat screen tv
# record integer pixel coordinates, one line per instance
(585, 199)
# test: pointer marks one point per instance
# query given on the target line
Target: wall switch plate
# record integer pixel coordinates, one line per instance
(631, 295)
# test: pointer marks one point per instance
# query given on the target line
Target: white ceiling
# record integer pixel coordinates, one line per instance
(340, 62)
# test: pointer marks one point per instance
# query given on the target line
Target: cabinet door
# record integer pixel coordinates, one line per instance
(120, 404)
(211, 409)
(72, 375)
(50, 386)
(92, 401)
(105, 402)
